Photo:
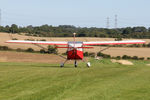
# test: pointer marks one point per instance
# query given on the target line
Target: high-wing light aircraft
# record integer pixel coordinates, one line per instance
(75, 48)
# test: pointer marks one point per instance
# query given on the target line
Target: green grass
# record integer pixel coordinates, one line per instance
(103, 81)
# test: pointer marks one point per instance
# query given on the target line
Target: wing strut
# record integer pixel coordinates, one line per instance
(47, 49)
(104, 49)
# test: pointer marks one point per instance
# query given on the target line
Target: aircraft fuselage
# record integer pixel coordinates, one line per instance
(75, 51)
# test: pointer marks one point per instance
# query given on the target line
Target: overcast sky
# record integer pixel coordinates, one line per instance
(83, 13)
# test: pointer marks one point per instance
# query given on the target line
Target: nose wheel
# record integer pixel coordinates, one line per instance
(75, 64)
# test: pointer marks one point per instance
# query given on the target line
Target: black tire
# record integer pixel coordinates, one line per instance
(61, 66)
(75, 66)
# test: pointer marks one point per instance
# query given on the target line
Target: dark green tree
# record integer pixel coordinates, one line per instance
(14, 28)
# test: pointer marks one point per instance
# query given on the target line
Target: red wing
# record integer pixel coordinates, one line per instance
(114, 42)
(38, 42)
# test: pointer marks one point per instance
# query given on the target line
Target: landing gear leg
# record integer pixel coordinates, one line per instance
(75, 63)
(88, 64)
(62, 64)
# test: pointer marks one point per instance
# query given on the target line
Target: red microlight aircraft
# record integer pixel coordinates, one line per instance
(75, 48)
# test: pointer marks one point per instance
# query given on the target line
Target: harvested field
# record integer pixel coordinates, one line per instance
(7, 56)
(10, 56)
(117, 51)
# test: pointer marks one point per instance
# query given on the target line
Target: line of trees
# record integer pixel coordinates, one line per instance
(67, 30)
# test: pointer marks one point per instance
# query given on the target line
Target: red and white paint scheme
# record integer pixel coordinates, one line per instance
(75, 48)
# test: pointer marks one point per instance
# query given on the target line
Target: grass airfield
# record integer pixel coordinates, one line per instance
(103, 81)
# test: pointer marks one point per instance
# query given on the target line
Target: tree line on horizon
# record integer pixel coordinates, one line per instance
(67, 30)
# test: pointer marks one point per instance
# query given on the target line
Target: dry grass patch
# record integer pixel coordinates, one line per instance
(123, 62)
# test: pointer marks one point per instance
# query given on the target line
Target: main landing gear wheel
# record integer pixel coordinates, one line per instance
(88, 64)
(75, 64)
(62, 65)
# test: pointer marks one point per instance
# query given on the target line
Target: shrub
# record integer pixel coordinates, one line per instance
(92, 54)
(52, 49)
(4, 48)
(86, 54)
(100, 54)
(148, 45)
(106, 56)
(142, 58)
(103, 55)
(19, 50)
(118, 57)
(42, 51)
(135, 58)
(144, 45)
(126, 57)
(30, 50)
